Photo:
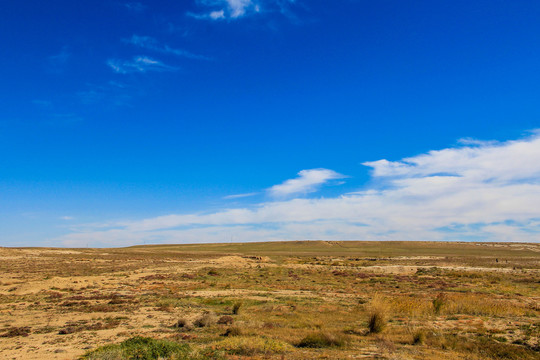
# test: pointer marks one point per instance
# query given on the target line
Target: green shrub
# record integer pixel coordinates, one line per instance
(140, 348)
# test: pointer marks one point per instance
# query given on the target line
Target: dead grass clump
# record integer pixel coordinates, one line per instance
(323, 339)
(479, 304)
(439, 302)
(378, 314)
(226, 319)
(483, 347)
(250, 346)
(55, 295)
(234, 331)
(205, 320)
(184, 324)
(385, 345)
(377, 321)
(419, 337)
(68, 330)
(236, 307)
(412, 306)
(99, 308)
(213, 272)
(17, 331)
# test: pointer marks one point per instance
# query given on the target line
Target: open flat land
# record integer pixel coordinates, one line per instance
(282, 300)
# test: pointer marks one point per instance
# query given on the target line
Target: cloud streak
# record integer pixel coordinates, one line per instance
(139, 64)
(135, 6)
(240, 196)
(147, 42)
(485, 192)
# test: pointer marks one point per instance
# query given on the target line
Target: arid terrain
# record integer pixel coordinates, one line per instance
(288, 300)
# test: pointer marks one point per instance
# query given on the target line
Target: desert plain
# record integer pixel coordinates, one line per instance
(276, 300)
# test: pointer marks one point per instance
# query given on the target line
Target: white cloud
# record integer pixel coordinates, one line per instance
(147, 42)
(140, 64)
(215, 15)
(306, 182)
(489, 191)
(236, 9)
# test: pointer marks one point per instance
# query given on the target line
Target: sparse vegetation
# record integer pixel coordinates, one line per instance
(249, 346)
(323, 339)
(319, 300)
(16, 331)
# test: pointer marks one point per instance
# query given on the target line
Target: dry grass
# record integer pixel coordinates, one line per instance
(249, 346)
(323, 339)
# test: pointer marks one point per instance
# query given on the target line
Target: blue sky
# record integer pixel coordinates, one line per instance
(215, 120)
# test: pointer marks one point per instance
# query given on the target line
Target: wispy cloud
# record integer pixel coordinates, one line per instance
(139, 64)
(65, 119)
(306, 182)
(58, 61)
(147, 42)
(42, 103)
(488, 192)
(61, 57)
(112, 92)
(135, 6)
(240, 196)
